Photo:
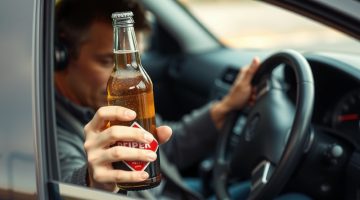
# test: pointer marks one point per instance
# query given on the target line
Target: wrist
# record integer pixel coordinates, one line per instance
(219, 111)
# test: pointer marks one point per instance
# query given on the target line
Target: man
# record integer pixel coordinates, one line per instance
(84, 28)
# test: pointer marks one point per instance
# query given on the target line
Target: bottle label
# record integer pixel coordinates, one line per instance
(138, 165)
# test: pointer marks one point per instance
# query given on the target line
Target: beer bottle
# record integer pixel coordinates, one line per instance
(130, 86)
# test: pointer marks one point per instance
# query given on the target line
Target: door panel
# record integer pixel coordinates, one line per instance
(17, 154)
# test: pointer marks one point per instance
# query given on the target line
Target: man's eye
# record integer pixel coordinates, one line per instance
(106, 62)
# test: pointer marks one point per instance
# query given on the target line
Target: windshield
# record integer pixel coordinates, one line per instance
(254, 24)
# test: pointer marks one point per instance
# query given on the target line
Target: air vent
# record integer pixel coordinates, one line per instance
(229, 75)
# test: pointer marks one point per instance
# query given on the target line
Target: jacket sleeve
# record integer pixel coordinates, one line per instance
(72, 158)
(194, 137)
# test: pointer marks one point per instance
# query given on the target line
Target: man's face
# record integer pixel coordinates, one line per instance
(87, 75)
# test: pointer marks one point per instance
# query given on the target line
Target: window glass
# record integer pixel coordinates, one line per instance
(255, 24)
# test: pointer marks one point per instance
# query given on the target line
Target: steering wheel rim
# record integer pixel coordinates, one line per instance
(296, 137)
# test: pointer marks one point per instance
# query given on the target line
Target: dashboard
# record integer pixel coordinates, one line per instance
(337, 94)
(345, 115)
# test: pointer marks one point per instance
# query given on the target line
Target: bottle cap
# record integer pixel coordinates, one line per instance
(126, 14)
(123, 19)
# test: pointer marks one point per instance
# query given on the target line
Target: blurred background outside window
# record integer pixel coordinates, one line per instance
(255, 24)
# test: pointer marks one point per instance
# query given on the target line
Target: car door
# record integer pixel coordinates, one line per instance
(18, 168)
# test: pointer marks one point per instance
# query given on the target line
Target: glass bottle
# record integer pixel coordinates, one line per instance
(131, 87)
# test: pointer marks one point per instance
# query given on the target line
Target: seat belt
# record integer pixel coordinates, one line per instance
(172, 174)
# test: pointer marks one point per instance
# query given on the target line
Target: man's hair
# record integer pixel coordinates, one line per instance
(73, 19)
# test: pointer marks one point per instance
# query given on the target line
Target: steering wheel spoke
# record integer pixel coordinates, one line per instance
(261, 175)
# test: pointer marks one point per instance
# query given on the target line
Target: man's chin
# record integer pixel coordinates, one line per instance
(98, 105)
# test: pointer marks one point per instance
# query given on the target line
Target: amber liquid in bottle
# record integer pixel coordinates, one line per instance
(133, 89)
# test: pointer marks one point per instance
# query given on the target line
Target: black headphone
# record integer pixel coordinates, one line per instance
(61, 55)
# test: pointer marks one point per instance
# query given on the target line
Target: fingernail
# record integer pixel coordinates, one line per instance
(148, 137)
(256, 60)
(144, 175)
(130, 113)
(152, 156)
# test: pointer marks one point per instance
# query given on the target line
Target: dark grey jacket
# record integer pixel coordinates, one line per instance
(194, 137)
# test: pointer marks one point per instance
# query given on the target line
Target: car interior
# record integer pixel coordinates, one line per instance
(310, 98)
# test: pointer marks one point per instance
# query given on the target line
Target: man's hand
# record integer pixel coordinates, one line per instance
(239, 95)
(100, 153)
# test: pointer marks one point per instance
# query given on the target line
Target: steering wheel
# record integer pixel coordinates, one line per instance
(273, 139)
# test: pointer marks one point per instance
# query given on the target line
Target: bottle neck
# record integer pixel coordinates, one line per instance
(125, 48)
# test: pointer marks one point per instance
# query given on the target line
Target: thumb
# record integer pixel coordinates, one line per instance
(252, 69)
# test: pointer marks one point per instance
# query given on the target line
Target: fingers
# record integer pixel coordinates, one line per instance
(110, 113)
(100, 155)
(240, 92)
(251, 69)
(106, 176)
(123, 133)
(253, 97)
(164, 133)
(120, 153)
(101, 151)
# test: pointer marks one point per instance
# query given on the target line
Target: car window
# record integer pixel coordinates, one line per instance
(239, 24)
